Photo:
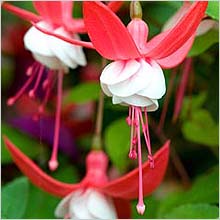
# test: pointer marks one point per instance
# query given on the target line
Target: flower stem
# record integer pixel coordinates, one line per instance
(97, 139)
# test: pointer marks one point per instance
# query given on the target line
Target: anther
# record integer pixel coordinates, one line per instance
(133, 154)
(128, 120)
(151, 161)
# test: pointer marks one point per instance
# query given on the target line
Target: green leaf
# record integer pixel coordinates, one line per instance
(191, 104)
(41, 205)
(117, 143)
(204, 42)
(191, 211)
(213, 9)
(204, 190)
(201, 129)
(26, 144)
(14, 198)
(83, 93)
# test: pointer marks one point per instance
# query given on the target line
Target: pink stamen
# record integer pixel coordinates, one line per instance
(47, 82)
(32, 91)
(145, 130)
(31, 69)
(132, 153)
(47, 94)
(128, 119)
(140, 206)
(53, 163)
(13, 99)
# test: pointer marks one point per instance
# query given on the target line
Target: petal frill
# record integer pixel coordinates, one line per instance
(157, 87)
(123, 208)
(119, 71)
(177, 57)
(38, 177)
(100, 206)
(107, 33)
(105, 89)
(22, 13)
(137, 100)
(126, 187)
(54, 12)
(136, 82)
(67, 39)
(175, 38)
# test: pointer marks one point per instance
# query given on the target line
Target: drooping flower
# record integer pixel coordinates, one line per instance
(55, 18)
(52, 55)
(95, 193)
(135, 78)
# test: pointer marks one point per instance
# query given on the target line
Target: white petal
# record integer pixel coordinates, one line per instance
(78, 205)
(157, 87)
(68, 53)
(119, 71)
(63, 207)
(138, 81)
(100, 206)
(50, 62)
(137, 100)
(105, 89)
(38, 42)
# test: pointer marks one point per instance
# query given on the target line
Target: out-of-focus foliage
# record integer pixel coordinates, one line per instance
(83, 92)
(28, 145)
(117, 143)
(203, 42)
(15, 198)
(213, 9)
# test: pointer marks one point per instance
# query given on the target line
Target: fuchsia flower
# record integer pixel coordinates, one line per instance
(55, 18)
(50, 52)
(93, 197)
(135, 78)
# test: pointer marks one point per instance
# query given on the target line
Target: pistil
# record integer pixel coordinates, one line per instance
(53, 163)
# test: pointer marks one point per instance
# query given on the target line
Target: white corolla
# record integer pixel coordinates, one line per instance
(87, 204)
(134, 82)
(51, 51)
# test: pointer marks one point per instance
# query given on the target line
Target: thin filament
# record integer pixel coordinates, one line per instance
(40, 73)
(13, 99)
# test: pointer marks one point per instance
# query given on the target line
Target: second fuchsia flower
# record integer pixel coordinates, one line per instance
(135, 78)
(95, 196)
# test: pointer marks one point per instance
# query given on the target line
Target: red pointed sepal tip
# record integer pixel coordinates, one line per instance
(26, 15)
(126, 187)
(166, 43)
(38, 177)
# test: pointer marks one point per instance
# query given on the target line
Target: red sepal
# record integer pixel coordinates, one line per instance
(108, 34)
(38, 177)
(123, 208)
(126, 187)
(55, 12)
(26, 15)
(69, 40)
(170, 41)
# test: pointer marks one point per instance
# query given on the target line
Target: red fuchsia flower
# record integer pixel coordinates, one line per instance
(55, 18)
(50, 52)
(93, 197)
(135, 77)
